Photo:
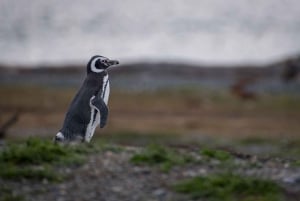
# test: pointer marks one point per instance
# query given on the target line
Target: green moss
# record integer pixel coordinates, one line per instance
(36, 159)
(38, 152)
(216, 154)
(164, 157)
(35, 152)
(228, 187)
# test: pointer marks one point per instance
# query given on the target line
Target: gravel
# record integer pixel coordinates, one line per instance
(110, 176)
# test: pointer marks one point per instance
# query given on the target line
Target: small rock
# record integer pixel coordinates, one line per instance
(292, 180)
(142, 170)
(45, 181)
(159, 192)
(117, 189)
(286, 165)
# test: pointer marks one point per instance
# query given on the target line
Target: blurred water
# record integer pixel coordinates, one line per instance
(210, 31)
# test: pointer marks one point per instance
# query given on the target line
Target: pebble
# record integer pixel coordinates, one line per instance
(117, 189)
(159, 192)
(294, 179)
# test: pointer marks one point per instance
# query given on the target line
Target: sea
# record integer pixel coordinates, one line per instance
(36, 32)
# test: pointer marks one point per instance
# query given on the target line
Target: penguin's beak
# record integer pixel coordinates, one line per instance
(112, 62)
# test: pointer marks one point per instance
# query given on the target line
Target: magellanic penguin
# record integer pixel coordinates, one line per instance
(89, 107)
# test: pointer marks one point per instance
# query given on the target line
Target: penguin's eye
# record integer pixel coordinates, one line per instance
(105, 61)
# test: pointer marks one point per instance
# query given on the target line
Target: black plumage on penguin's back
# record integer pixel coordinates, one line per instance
(79, 112)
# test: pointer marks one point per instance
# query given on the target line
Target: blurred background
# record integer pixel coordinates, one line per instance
(194, 74)
(208, 31)
(199, 68)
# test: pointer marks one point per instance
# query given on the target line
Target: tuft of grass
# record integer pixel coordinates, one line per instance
(36, 159)
(162, 156)
(38, 152)
(34, 152)
(228, 187)
(216, 154)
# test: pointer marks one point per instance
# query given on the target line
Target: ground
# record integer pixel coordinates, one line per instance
(155, 144)
(111, 172)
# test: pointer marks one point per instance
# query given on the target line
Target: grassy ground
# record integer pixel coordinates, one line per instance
(187, 110)
(230, 187)
(37, 169)
(35, 159)
(170, 144)
(197, 137)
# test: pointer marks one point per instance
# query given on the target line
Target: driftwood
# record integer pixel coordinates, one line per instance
(11, 121)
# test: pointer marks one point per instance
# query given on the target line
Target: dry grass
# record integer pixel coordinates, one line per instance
(174, 110)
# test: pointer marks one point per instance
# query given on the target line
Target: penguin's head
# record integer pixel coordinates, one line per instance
(99, 64)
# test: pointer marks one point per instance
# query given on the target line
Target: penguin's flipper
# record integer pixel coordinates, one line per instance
(102, 107)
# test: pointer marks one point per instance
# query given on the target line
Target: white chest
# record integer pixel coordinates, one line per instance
(95, 119)
(105, 89)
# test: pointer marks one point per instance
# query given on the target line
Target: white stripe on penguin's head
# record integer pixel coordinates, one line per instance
(93, 65)
(99, 64)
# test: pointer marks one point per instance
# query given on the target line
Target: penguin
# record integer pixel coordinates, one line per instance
(89, 107)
